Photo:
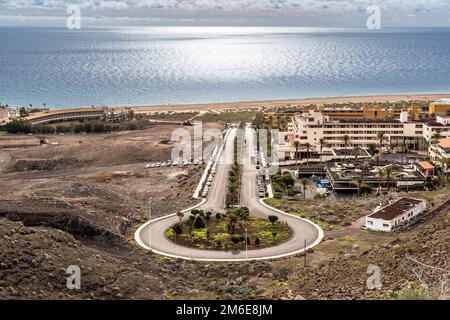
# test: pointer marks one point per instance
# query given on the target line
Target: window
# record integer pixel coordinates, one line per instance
(370, 223)
(385, 225)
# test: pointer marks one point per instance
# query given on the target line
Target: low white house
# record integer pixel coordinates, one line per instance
(394, 214)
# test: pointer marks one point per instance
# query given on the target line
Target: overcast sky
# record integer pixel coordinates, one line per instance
(321, 13)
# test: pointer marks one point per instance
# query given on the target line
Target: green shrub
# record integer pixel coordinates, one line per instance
(199, 223)
(273, 219)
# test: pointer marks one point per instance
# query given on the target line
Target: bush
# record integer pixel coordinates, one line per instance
(199, 223)
(177, 229)
(18, 126)
(273, 219)
(235, 238)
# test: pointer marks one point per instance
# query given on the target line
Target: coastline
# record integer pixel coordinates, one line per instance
(271, 103)
(254, 105)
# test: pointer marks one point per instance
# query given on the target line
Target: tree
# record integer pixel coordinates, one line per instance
(235, 238)
(18, 126)
(355, 152)
(308, 147)
(233, 219)
(359, 182)
(346, 140)
(243, 213)
(177, 229)
(180, 215)
(297, 148)
(305, 183)
(23, 112)
(273, 219)
(199, 223)
(322, 143)
(372, 148)
(435, 137)
(380, 173)
(388, 175)
(381, 138)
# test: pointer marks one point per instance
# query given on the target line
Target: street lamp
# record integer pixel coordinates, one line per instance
(150, 222)
(246, 244)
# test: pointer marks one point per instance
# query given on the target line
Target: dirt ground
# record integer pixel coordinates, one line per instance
(94, 150)
(84, 212)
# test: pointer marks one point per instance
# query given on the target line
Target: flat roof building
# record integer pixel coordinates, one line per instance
(440, 153)
(391, 216)
(314, 127)
(440, 107)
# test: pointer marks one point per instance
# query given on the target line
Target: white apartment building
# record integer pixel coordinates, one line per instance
(387, 218)
(6, 114)
(440, 153)
(312, 126)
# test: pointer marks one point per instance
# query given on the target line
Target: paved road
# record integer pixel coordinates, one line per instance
(151, 235)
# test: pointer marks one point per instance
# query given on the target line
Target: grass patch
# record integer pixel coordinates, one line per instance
(346, 238)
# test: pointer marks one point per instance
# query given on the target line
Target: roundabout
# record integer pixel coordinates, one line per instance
(304, 234)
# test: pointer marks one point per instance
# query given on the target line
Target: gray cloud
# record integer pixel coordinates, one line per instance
(283, 11)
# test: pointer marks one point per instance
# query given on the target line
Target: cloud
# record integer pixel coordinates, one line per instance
(225, 9)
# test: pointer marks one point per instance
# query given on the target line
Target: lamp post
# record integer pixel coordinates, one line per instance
(150, 222)
(246, 244)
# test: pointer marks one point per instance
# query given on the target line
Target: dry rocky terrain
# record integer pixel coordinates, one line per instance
(84, 210)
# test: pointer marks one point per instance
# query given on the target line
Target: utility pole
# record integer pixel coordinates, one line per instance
(246, 244)
(150, 219)
(304, 256)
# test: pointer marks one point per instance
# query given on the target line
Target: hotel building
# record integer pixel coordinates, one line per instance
(312, 126)
(440, 153)
(440, 107)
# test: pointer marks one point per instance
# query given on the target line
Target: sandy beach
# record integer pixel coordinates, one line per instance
(271, 103)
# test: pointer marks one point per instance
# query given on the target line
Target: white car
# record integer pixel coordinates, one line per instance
(148, 166)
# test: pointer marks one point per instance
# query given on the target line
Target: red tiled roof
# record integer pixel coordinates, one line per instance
(425, 165)
(444, 143)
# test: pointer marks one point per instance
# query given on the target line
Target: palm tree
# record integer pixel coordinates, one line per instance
(380, 173)
(355, 152)
(435, 137)
(297, 147)
(180, 216)
(233, 219)
(323, 143)
(305, 182)
(307, 146)
(346, 140)
(372, 148)
(359, 182)
(381, 138)
(387, 174)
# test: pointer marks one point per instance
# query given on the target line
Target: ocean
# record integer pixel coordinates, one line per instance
(170, 65)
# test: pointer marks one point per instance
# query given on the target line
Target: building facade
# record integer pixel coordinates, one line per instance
(323, 133)
(440, 153)
(389, 217)
(440, 108)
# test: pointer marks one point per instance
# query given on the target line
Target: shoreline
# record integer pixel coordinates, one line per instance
(221, 106)
(255, 105)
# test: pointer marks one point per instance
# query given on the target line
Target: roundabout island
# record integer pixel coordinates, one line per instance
(233, 230)
(271, 233)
